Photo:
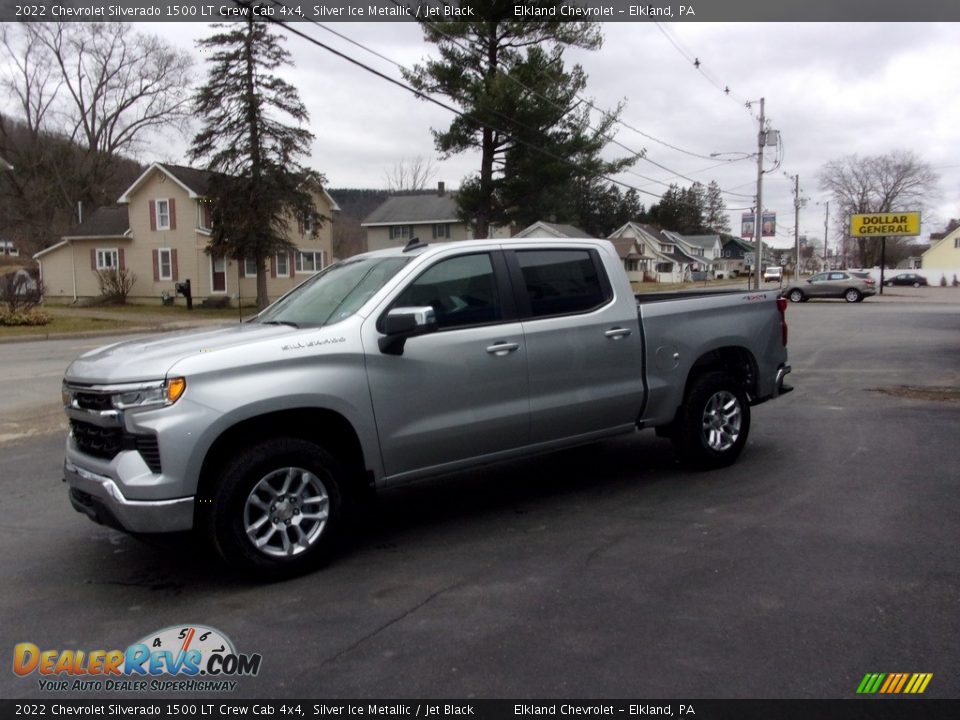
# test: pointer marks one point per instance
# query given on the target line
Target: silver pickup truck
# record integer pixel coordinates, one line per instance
(399, 364)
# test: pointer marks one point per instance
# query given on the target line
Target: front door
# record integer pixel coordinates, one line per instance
(459, 392)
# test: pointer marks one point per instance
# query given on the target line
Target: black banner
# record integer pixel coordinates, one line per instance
(874, 709)
(425, 10)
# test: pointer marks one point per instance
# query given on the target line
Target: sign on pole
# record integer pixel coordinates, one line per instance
(896, 224)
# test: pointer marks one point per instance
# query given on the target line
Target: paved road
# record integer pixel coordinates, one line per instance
(827, 552)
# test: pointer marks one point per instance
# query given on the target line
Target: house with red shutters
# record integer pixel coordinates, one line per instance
(159, 231)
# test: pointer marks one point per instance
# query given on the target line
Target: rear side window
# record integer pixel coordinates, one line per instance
(562, 282)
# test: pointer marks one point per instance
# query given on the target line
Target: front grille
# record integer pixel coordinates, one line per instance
(93, 401)
(105, 443)
(97, 441)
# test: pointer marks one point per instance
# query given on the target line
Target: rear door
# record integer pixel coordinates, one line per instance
(583, 345)
(461, 391)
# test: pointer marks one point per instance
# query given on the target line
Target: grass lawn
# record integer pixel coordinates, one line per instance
(66, 324)
(72, 319)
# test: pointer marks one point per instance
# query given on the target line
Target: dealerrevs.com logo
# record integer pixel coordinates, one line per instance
(178, 658)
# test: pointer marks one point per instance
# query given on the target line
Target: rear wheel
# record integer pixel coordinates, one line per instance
(714, 422)
(277, 508)
(795, 296)
(852, 295)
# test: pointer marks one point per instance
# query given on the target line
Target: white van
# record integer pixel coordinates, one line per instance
(774, 273)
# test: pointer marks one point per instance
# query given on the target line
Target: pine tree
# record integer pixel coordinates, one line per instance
(258, 185)
(715, 216)
(518, 100)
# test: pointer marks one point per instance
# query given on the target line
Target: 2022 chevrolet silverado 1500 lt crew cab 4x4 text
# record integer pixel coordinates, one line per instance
(400, 364)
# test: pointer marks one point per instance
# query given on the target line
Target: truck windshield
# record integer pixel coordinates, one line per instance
(333, 294)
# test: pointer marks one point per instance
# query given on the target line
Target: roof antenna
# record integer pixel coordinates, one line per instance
(414, 244)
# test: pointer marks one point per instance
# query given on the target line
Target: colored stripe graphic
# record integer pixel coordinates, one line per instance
(894, 683)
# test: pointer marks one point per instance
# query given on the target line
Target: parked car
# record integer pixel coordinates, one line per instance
(833, 284)
(774, 273)
(906, 279)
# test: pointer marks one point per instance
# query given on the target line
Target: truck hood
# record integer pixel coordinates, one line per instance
(151, 357)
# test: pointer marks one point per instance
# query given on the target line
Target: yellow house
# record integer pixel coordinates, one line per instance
(160, 231)
(944, 254)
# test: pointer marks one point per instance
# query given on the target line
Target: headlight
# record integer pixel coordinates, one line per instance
(165, 392)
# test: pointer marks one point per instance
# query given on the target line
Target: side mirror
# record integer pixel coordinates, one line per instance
(403, 323)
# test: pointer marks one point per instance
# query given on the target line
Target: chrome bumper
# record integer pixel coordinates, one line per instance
(99, 498)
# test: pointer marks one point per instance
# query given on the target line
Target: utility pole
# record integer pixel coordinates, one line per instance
(826, 222)
(758, 223)
(796, 227)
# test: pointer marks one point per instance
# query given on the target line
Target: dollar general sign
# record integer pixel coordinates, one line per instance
(885, 224)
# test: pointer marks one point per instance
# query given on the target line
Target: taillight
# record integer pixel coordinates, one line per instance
(782, 307)
(870, 282)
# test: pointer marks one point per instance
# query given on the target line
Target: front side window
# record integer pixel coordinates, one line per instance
(561, 282)
(107, 259)
(462, 292)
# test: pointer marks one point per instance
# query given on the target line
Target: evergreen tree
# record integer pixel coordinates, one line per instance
(715, 216)
(520, 111)
(258, 185)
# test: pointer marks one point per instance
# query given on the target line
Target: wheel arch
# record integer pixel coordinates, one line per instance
(324, 427)
(736, 361)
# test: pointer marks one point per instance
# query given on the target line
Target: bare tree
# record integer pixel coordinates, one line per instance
(899, 180)
(410, 175)
(85, 95)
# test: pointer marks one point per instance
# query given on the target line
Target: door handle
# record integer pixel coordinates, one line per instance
(503, 348)
(617, 333)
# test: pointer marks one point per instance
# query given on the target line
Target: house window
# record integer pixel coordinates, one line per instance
(632, 265)
(249, 267)
(956, 243)
(163, 214)
(400, 232)
(205, 220)
(8, 248)
(282, 265)
(309, 262)
(441, 231)
(165, 263)
(664, 267)
(107, 259)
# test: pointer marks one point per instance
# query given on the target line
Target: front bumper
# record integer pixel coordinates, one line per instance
(99, 498)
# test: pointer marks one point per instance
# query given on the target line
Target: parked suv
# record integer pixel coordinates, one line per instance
(833, 284)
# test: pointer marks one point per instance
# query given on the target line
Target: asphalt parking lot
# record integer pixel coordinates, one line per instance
(827, 552)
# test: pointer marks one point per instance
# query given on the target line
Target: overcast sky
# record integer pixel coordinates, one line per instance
(830, 89)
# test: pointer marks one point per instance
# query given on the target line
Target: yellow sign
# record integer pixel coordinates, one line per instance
(885, 224)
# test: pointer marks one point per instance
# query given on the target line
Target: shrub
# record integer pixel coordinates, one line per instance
(33, 316)
(115, 285)
(20, 291)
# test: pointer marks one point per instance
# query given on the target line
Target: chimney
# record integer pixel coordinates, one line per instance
(441, 189)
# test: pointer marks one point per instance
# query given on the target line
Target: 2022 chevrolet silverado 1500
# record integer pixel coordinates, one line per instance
(399, 364)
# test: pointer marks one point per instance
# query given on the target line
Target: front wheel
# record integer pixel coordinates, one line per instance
(713, 424)
(852, 295)
(276, 509)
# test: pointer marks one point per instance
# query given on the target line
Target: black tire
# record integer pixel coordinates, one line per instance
(288, 494)
(796, 296)
(916, 284)
(852, 295)
(711, 428)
